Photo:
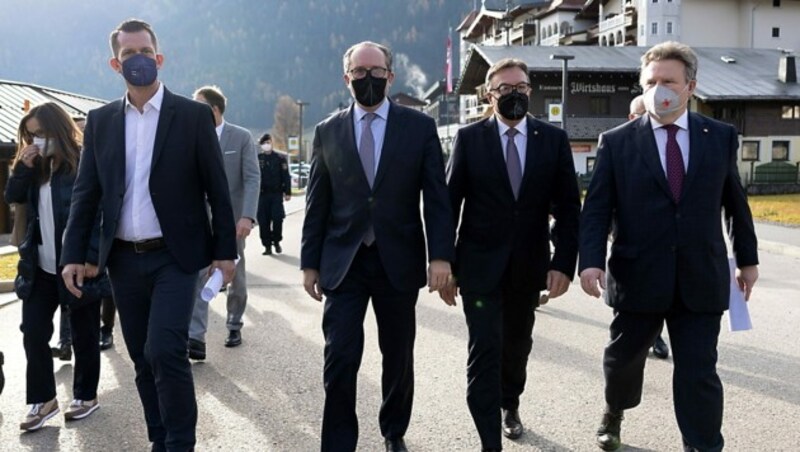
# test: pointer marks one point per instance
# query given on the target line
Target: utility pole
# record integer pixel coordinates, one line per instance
(564, 78)
(301, 104)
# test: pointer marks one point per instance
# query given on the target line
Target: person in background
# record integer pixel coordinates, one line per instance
(241, 169)
(637, 109)
(152, 165)
(363, 241)
(507, 174)
(663, 180)
(276, 187)
(43, 176)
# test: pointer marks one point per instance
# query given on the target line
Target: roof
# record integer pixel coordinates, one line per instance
(12, 100)
(753, 76)
(407, 100)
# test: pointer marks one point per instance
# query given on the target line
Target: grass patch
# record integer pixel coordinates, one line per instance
(8, 266)
(783, 209)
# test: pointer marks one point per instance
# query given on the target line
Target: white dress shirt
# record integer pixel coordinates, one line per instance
(520, 139)
(138, 219)
(219, 129)
(47, 250)
(682, 137)
(378, 128)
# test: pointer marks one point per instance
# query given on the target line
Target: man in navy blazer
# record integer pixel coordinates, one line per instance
(363, 238)
(510, 172)
(150, 163)
(663, 181)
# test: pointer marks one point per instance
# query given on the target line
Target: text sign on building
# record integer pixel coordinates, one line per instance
(294, 144)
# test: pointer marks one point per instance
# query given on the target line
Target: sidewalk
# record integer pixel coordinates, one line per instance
(778, 239)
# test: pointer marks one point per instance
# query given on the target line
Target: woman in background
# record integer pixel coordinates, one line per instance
(43, 175)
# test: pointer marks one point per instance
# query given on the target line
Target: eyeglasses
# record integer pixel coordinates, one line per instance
(507, 89)
(361, 72)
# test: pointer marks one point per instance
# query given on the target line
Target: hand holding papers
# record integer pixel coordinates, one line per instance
(213, 285)
(738, 314)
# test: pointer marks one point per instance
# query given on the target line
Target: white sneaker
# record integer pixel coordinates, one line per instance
(80, 409)
(38, 415)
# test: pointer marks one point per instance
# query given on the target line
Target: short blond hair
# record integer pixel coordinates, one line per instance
(672, 50)
(506, 63)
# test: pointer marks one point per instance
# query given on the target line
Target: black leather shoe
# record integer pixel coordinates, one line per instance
(234, 338)
(395, 445)
(608, 433)
(512, 426)
(278, 248)
(267, 251)
(197, 349)
(106, 340)
(660, 348)
(62, 352)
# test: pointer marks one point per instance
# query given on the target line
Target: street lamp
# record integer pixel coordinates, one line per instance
(564, 76)
(301, 104)
(507, 22)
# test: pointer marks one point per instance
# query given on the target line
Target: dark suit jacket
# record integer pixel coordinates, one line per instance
(660, 245)
(497, 230)
(340, 204)
(187, 169)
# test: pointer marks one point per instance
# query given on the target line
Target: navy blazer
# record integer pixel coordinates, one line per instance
(187, 170)
(660, 245)
(496, 229)
(340, 203)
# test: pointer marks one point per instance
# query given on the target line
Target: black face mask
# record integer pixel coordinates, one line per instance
(369, 90)
(513, 106)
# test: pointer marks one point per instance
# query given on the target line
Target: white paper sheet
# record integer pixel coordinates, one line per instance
(738, 313)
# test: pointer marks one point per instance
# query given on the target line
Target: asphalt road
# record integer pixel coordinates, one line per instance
(266, 395)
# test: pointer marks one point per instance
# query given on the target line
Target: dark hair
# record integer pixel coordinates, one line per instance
(265, 137)
(213, 96)
(131, 26)
(60, 132)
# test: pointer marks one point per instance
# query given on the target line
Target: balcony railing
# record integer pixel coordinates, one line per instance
(552, 40)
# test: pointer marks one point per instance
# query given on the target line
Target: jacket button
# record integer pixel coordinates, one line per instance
(673, 248)
(677, 216)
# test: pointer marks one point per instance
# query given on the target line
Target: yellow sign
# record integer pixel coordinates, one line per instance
(554, 113)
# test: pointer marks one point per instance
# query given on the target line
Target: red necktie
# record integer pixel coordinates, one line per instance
(675, 168)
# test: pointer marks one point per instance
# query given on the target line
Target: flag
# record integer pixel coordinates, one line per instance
(448, 66)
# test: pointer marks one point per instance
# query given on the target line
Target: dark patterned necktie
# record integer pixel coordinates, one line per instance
(675, 169)
(366, 150)
(513, 164)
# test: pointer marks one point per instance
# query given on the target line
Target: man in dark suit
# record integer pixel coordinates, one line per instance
(363, 239)
(151, 161)
(509, 171)
(241, 169)
(662, 180)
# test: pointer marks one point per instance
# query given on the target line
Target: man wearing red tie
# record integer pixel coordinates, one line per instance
(663, 180)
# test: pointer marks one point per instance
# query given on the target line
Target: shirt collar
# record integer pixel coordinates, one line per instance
(154, 102)
(522, 127)
(382, 111)
(219, 128)
(682, 121)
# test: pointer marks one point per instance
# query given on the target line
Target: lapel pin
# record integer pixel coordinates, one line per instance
(705, 130)
(536, 132)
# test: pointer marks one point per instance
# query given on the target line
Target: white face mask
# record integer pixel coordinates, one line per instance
(41, 143)
(266, 147)
(661, 101)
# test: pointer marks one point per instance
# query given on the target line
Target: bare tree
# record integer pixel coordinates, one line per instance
(287, 122)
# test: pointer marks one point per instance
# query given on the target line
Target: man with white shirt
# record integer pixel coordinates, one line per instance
(662, 181)
(241, 168)
(507, 174)
(152, 164)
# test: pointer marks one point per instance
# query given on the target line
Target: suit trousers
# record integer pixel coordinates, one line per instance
(64, 331)
(342, 324)
(108, 311)
(500, 325)
(270, 217)
(154, 300)
(237, 299)
(696, 387)
(37, 329)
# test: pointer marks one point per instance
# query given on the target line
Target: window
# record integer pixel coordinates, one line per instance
(655, 1)
(669, 28)
(600, 106)
(776, 32)
(750, 151)
(790, 112)
(654, 28)
(776, 3)
(641, 30)
(590, 164)
(780, 151)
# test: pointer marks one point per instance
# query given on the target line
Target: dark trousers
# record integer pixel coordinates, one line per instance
(270, 217)
(696, 387)
(108, 311)
(37, 329)
(154, 299)
(64, 331)
(342, 323)
(500, 327)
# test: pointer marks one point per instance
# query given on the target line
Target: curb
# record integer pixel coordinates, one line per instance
(779, 248)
